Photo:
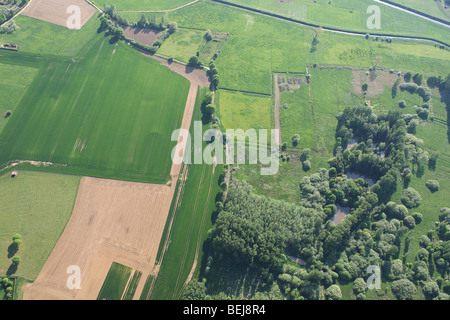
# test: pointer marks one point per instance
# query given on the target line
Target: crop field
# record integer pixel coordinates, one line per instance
(128, 140)
(38, 214)
(192, 220)
(115, 282)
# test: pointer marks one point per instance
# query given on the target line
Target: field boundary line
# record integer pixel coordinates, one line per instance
(159, 11)
(245, 91)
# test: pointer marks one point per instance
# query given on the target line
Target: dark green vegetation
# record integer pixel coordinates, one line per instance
(378, 231)
(115, 282)
(113, 132)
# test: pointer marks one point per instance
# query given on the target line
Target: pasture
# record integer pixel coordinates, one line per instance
(100, 128)
(245, 111)
(37, 206)
(431, 7)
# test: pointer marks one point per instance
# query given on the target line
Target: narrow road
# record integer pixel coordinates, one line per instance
(170, 10)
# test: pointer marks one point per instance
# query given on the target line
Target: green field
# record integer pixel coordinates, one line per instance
(261, 45)
(14, 83)
(115, 282)
(432, 7)
(245, 111)
(100, 128)
(144, 5)
(45, 38)
(132, 286)
(192, 220)
(37, 206)
(351, 15)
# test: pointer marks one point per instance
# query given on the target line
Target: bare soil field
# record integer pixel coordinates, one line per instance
(55, 11)
(377, 81)
(112, 221)
(142, 35)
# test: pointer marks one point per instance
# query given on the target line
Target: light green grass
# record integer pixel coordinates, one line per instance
(115, 282)
(245, 111)
(37, 206)
(14, 83)
(41, 37)
(144, 5)
(183, 44)
(432, 7)
(90, 116)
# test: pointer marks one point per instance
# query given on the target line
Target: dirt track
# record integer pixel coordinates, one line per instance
(55, 11)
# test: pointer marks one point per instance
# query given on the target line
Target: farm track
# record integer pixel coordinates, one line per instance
(161, 11)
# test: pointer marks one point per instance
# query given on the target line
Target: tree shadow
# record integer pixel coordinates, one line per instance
(12, 250)
(11, 270)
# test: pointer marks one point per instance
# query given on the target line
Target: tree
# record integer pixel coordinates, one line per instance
(359, 286)
(195, 290)
(417, 78)
(409, 222)
(208, 35)
(173, 27)
(403, 289)
(411, 198)
(194, 62)
(334, 292)
(402, 104)
(295, 140)
(432, 185)
(431, 290)
(16, 260)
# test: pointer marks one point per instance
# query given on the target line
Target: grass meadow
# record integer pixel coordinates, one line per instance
(432, 7)
(115, 282)
(83, 114)
(14, 83)
(37, 206)
(40, 37)
(192, 220)
(259, 46)
(144, 5)
(245, 111)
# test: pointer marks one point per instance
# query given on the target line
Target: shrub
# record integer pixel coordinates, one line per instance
(409, 222)
(418, 217)
(365, 86)
(422, 113)
(417, 78)
(334, 292)
(431, 290)
(403, 289)
(433, 185)
(407, 76)
(306, 165)
(410, 87)
(402, 104)
(16, 260)
(411, 198)
(295, 140)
